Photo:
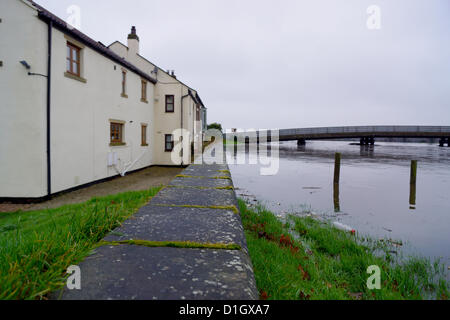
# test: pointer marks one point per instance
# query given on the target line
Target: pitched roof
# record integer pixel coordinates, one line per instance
(200, 100)
(60, 24)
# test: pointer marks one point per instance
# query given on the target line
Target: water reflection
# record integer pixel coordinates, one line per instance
(412, 196)
(367, 151)
(337, 207)
(373, 185)
(385, 153)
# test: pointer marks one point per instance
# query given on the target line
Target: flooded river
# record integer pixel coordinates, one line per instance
(374, 195)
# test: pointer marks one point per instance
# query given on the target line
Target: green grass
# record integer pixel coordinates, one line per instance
(37, 247)
(304, 258)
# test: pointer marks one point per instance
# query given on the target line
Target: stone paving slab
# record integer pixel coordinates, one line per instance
(207, 171)
(195, 197)
(206, 182)
(140, 273)
(132, 271)
(153, 223)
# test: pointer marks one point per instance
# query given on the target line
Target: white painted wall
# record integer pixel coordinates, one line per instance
(22, 101)
(165, 123)
(80, 118)
(80, 112)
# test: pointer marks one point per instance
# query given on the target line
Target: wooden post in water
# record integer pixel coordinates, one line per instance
(412, 185)
(337, 174)
(337, 167)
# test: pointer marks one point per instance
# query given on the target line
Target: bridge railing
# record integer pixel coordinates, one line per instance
(365, 129)
(355, 130)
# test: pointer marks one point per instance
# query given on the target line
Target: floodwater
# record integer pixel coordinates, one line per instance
(374, 195)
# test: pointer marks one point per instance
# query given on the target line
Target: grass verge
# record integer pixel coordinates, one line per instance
(37, 247)
(308, 259)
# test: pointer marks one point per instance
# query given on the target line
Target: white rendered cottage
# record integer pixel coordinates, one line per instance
(74, 112)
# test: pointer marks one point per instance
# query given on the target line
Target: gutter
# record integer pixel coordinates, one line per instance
(49, 77)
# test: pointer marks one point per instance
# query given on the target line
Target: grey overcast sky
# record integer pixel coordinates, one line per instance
(291, 63)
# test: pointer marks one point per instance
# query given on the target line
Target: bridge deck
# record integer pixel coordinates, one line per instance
(353, 132)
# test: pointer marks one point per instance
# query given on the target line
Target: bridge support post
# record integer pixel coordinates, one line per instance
(269, 136)
(301, 142)
(441, 142)
(366, 141)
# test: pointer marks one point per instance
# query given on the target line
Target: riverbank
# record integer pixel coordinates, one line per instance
(374, 195)
(304, 258)
(299, 259)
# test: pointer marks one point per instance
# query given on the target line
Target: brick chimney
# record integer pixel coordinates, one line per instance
(133, 41)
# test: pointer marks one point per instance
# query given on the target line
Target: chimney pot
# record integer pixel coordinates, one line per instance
(133, 41)
(133, 34)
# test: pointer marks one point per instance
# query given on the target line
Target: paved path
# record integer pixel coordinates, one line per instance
(198, 208)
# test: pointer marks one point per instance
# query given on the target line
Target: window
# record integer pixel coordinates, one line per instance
(73, 59)
(116, 133)
(144, 135)
(144, 91)
(169, 143)
(124, 83)
(170, 103)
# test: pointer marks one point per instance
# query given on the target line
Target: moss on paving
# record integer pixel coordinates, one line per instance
(202, 188)
(232, 208)
(225, 188)
(173, 244)
(304, 258)
(224, 178)
(202, 177)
